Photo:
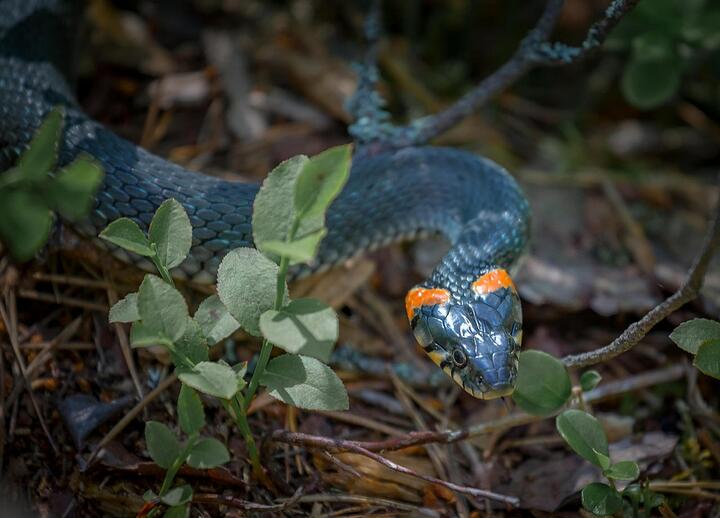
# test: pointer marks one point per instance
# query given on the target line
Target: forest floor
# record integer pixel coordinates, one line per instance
(620, 204)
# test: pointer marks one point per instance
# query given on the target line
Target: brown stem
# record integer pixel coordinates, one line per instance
(605, 391)
(535, 50)
(687, 292)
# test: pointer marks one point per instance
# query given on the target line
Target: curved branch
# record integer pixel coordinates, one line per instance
(535, 50)
(687, 292)
(605, 391)
(330, 444)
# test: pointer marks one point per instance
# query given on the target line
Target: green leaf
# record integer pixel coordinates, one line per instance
(126, 234)
(25, 224)
(240, 371)
(702, 30)
(208, 453)
(246, 285)
(178, 511)
(71, 191)
(651, 499)
(601, 499)
(171, 231)
(192, 344)
(149, 495)
(162, 308)
(603, 459)
(215, 321)
(191, 415)
(143, 335)
(589, 380)
(215, 379)
(177, 496)
(293, 200)
(162, 444)
(583, 434)
(125, 310)
(623, 470)
(689, 335)
(707, 359)
(648, 84)
(274, 206)
(321, 180)
(304, 326)
(304, 382)
(299, 250)
(543, 384)
(664, 16)
(653, 46)
(40, 157)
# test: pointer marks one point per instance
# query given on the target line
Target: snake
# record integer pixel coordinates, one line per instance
(466, 315)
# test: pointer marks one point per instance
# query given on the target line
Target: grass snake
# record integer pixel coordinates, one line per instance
(466, 315)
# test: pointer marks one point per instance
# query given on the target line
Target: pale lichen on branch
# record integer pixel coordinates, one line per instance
(535, 50)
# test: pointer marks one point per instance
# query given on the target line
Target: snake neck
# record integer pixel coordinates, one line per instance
(487, 243)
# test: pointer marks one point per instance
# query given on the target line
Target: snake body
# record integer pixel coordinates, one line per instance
(466, 314)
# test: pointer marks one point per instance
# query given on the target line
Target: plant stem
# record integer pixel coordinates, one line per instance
(172, 470)
(164, 272)
(240, 405)
(266, 349)
(179, 461)
(236, 408)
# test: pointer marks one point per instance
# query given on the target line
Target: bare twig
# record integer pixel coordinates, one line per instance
(605, 391)
(62, 300)
(132, 414)
(125, 346)
(535, 50)
(8, 311)
(367, 501)
(238, 503)
(687, 292)
(42, 358)
(342, 445)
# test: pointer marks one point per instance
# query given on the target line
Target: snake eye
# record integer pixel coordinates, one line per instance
(459, 358)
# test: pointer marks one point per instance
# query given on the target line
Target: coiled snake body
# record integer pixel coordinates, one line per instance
(466, 315)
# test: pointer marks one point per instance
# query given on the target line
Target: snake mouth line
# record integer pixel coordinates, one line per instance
(494, 394)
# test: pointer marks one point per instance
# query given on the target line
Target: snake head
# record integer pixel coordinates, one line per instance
(475, 338)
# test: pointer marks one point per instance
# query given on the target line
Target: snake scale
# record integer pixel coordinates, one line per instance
(466, 315)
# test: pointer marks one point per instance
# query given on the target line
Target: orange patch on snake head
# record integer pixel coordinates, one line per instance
(491, 281)
(417, 297)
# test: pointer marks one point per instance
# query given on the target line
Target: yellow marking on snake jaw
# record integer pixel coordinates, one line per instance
(437, 357)
(417, 297)
(491, 281)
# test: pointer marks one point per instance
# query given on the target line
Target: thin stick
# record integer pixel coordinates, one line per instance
(41, 358)
(364, 500)
(132, 414)
(125, 346)
(341, 445)
(9, 316)
(66, 301)
(687, 292)
(535, 50)
(605, 391)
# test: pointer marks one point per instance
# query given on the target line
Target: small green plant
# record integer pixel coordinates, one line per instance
(586, 437)
(543, 389)
(701, 338)
(169, 453)
(31, 192)
(665, 39)
(288, 224)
